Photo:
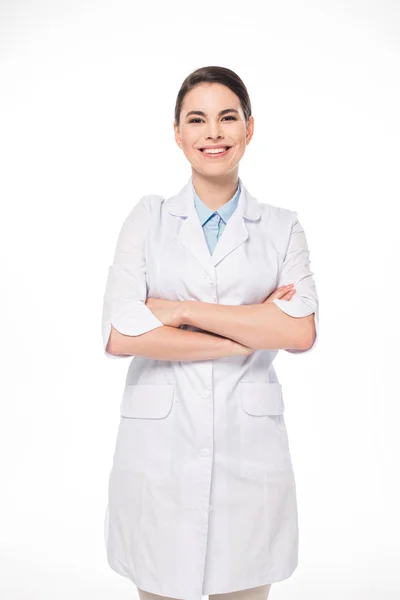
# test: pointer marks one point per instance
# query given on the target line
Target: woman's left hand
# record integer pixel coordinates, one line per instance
(168, 312)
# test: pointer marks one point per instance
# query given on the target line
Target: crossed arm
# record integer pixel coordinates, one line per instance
(131, 328)
(257, 326)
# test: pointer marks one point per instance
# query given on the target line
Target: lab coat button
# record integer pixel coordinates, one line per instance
(205, 452)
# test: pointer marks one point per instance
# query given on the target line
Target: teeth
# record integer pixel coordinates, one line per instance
(214, 150)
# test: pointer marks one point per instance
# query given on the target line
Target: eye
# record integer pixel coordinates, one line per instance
(198, 119)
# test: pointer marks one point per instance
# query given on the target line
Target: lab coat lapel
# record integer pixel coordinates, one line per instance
(234, 234)
(191, 234)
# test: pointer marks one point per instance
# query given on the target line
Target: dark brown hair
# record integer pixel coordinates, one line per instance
(214, 75)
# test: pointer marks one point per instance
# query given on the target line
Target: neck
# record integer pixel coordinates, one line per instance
(215, 191)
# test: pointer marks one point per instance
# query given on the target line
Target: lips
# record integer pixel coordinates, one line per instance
(215, 155)
(214, 148)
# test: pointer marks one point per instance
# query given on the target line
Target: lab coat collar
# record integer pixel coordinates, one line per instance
(225, 211)
(191, 234)
(182, 204)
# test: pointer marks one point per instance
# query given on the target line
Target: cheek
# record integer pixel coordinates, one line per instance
(241, 145)
(190, 152)
(188, 140)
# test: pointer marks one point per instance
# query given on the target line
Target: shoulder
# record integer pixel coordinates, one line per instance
(277, 218)
(149, 202)
(152, 200)
(276, 225)
(147, 205)
(138, 218)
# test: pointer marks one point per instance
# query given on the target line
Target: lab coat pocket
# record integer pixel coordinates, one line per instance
(264, 442)
(144, 439)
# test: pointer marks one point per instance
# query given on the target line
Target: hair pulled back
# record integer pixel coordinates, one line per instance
(214, 74)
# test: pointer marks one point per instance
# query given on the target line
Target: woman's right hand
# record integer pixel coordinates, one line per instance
(285, 292)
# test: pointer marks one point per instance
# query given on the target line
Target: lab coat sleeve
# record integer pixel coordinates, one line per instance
(126, 289)
(296, 269)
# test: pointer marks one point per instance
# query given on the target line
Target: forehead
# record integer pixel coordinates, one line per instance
(213, 96)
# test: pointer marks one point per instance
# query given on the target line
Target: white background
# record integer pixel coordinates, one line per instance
(87, 98)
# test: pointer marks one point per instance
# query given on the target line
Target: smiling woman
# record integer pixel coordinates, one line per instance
(213, 125)
(206, 286)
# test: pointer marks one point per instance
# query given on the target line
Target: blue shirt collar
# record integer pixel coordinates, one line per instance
(225, 211)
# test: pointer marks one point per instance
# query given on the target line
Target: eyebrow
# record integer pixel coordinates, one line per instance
(221, 112)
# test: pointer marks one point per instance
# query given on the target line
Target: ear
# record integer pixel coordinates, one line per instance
(177, 136)
(250, 129)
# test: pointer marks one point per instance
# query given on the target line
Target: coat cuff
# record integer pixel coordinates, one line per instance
(137, 320)
(300, 307)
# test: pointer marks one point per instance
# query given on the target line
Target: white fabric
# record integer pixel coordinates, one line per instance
(125, 295)
(296, 269)
(256, 593)
(202, 495)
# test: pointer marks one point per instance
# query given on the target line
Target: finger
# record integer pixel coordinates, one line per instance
(285, 292)
(289, 295)
(282, 291)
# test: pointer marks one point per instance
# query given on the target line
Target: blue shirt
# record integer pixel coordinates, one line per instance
(213, 222)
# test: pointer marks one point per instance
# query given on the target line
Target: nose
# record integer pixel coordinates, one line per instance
(214, 132)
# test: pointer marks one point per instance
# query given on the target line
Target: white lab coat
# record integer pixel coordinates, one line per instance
(202, 496)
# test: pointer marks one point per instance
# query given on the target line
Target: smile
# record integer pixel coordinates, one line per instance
(215, 153)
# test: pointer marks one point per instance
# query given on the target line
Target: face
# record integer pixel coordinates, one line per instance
(218, 121)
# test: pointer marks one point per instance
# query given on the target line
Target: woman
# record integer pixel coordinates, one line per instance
(205, 288)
